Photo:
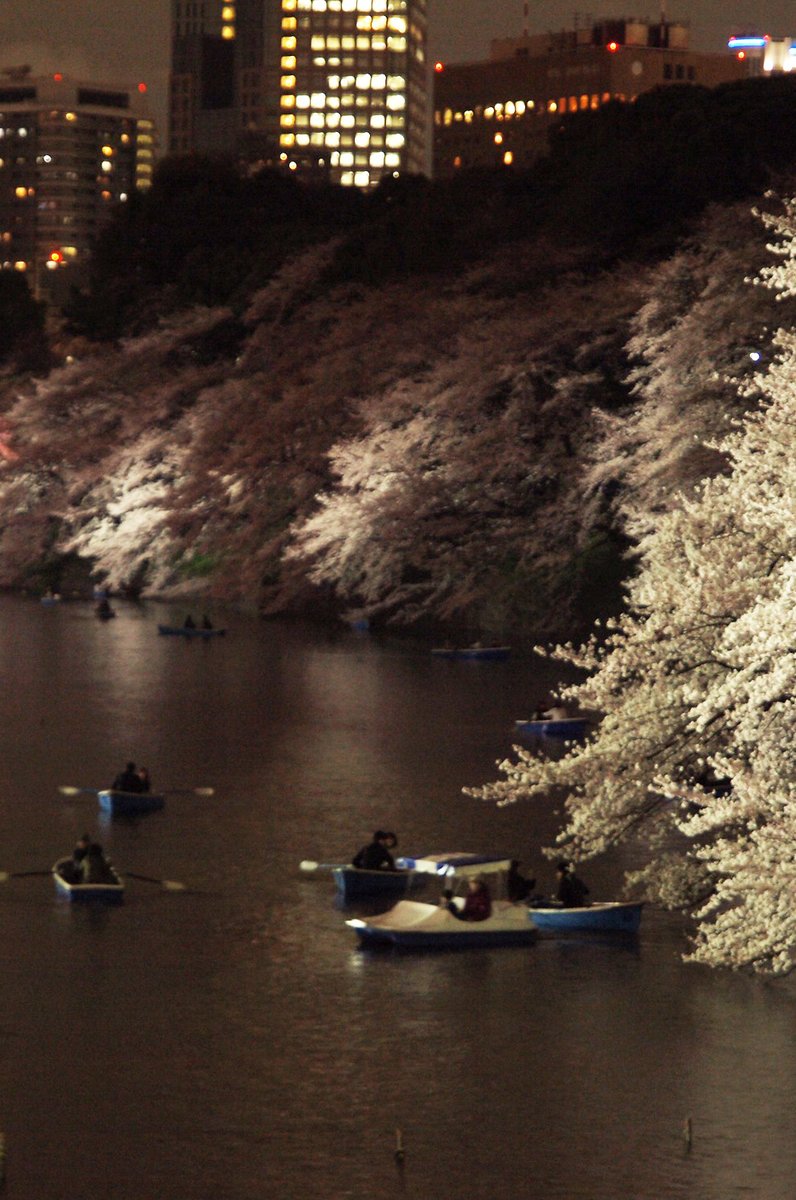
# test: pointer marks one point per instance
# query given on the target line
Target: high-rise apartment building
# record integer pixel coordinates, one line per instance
(500, 112)
(331, 88)
(69, 152)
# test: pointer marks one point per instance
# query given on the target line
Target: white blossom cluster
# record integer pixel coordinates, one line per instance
(695, 752)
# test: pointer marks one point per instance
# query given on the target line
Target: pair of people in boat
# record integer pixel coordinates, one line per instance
(555, 711)
(89, 864)
(189, 623)
(376, 855)
(477, 903)
(132, 779)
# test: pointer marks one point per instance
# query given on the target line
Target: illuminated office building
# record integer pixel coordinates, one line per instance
(764, 55)
(500, 112)
(327, 88)
(70, 151)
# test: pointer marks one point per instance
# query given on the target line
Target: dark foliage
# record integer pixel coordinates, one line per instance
(22, 338)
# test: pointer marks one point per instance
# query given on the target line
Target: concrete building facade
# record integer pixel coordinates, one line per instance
(70, 151)
(500, 112)
(335, 89)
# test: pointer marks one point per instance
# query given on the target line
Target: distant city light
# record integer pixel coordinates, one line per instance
(613, 47)
(754, 355)
(58, 77)
(747, 43)
(142, 88)
(438, 66)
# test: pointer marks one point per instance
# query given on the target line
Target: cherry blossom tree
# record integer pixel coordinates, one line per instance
(695, 686)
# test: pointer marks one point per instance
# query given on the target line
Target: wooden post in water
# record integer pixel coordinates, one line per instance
(399, 1147)
(687, 1133)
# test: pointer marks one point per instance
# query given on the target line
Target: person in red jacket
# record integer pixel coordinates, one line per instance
(477, 903)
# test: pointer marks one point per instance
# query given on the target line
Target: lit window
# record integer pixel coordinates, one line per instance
(107, 151)
(551, 106)
(396, 44)
(317, 120)
(398, 24)
(395, 140)
(362, 139)
(362, 179)
(318, 100)
(498, 139)
(228, 12)
(288, 81)
(396, 102)
(332, 139)
(392, 160)
(288, 101)
(346, 159)
(363, 82)
(508, 158)
(287, 120)
(287, 139)
(489, 113)
(289, 23)
(228, 32)
(302, 101)
(288, 43)
(288, 62)
(377, 159)
(20, 192)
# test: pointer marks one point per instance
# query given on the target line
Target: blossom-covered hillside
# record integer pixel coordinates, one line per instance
(693, 757)
(460, 448)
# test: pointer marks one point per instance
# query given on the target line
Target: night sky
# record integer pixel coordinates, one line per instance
(127, 41)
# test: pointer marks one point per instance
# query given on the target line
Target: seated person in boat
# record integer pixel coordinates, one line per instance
(127, 780)
(206, 622)
(96, 868)
(189, 622)
(73, 871)
(556, 712)
(477, 903)
(572, 891)
(143, 776)
(517, 886)
(376, 855)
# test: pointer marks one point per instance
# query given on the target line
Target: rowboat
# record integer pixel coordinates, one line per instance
(102, 893)
(124, 803)
(182, 631)
(473, 653)
(412, 925)
(354, 883)
(607, 917)
(569, 728)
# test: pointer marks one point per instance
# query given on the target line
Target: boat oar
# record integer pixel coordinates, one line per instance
(310, 867)
(6, 875)
(168, 885)
(65, 790)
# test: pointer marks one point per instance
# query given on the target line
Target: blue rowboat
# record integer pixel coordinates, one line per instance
(608, 917)
(411, 925)
(181, 631)
(570, 728)
(355, 884)
(122, 803)
(473, 653)
(95, 893)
